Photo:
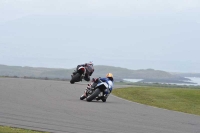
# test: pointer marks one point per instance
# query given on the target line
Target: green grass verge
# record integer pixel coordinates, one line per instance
(6, 129)
(157, 85)
(178, 99)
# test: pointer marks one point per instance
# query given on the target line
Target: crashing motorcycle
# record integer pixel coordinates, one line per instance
(95, 91)
(80, 73)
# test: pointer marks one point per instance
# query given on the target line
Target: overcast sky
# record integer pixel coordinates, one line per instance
(134, 34)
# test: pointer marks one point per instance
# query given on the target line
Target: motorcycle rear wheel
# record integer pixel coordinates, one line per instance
(93, 96)
(103, 99)
(75, 78)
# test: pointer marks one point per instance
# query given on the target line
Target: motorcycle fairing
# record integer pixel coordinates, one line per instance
(82, 70)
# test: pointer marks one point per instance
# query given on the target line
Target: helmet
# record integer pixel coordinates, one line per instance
(109, 75)
(90, 63)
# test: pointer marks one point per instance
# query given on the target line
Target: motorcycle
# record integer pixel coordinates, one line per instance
(78, 76)
(95, 91)
(80, 73)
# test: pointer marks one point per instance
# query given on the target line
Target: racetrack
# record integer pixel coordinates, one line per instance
(54, 106)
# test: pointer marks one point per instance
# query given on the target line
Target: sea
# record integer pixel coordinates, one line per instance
(195, 80)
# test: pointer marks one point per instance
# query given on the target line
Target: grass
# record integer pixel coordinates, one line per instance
(179, 99)
(6, 129)
(157, 85)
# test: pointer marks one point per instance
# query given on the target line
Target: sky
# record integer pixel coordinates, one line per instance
(133, 34)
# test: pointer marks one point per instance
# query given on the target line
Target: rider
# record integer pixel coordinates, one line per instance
(108, 79)
(89, 70)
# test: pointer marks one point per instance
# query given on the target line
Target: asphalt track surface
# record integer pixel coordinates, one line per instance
(54, 106)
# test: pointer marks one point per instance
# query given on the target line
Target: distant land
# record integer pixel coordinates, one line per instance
(148, 75)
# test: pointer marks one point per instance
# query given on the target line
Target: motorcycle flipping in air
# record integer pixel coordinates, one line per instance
(81, 73)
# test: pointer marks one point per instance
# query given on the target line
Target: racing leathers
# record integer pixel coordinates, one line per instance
(110, 85)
